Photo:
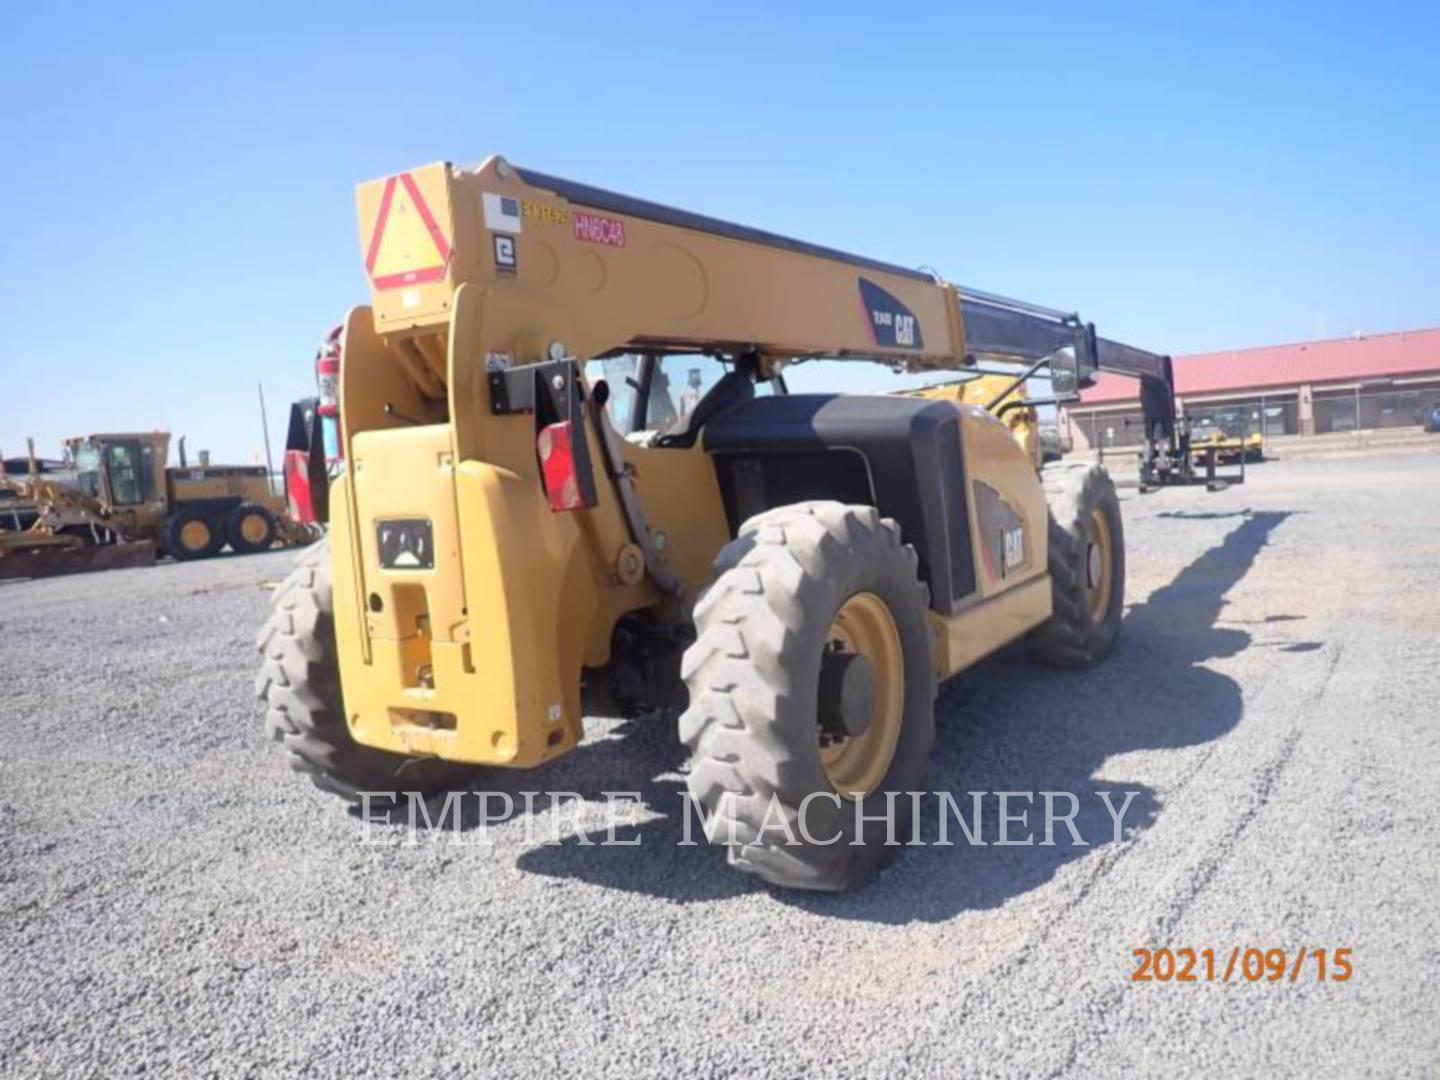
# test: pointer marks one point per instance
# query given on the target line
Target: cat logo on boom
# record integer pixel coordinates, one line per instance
(891, 323)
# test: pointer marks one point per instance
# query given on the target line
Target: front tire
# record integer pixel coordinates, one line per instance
(1087, 568)
(800, 593)
(299, 682)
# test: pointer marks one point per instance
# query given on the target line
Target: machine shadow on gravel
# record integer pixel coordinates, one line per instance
(1007, 725)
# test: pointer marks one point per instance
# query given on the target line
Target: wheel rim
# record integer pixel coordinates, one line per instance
(253, 528)
(856, 766)
(195, 535)
(1099, 560)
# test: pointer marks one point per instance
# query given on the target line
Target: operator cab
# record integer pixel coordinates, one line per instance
(120, 470)
(665, 399)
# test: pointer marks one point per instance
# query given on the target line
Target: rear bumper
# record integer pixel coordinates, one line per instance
(450, 660)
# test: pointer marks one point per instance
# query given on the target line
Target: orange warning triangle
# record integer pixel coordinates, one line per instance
(407, 246)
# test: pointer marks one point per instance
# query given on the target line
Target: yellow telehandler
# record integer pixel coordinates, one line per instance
(576, 484)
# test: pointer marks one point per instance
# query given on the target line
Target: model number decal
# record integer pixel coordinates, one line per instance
(541, 214)
(595, 229)
(890, 323)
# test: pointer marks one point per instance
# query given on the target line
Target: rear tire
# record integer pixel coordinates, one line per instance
(190, 534)
(250, 528)
(299, 682)
(1087, 567)
(764, 628)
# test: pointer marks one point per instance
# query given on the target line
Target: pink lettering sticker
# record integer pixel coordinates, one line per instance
(594, 229)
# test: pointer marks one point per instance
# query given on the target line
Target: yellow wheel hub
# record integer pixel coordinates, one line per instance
(195, 535)
(856, 765)
(253, 528)
(1099, 565)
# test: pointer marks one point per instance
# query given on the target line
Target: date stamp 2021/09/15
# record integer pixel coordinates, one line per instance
(1241, 964)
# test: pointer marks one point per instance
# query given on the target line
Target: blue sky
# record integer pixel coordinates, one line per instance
(177, 192)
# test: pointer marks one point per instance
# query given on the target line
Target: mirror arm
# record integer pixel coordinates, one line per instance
(1017, 382)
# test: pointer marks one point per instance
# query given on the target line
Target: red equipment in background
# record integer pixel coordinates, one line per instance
(312, 446)
(306, 481)
(327, 376)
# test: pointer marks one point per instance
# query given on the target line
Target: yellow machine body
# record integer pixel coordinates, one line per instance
(480, 655)
(1227, 447)
(984, 391)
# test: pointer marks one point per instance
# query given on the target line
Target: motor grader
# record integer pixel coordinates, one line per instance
(119, 503)
(577, 484)
(194, 511)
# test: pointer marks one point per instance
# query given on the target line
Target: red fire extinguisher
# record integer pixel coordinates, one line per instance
(327, 375)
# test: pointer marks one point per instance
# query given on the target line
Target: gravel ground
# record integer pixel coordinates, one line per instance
(172, 899)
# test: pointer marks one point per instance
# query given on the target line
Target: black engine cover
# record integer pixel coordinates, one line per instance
(901, 455)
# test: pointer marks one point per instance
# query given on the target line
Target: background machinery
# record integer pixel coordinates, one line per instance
(49, 526)
(1227, 433)
(116, 503)
(990, 391)
(575, 483)
(307, 497)
(193, 511)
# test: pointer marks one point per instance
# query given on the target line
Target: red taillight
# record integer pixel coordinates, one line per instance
(557, 467)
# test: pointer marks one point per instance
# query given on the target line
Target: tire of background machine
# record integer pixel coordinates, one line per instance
(176, 525)
(752, 674)
(299, 682)
(236, 535)
(1071, 638)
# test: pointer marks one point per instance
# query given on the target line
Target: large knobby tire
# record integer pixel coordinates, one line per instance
(192, 534)
(250, 528)
(299, 682)
(764, 627)
(1087, 567)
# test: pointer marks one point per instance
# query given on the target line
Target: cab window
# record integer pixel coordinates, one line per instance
(677, 385)
(622, 377)
(660, 399)
(87, 467)
(132, 475)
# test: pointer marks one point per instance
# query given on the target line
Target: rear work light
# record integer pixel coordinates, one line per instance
(556, 447)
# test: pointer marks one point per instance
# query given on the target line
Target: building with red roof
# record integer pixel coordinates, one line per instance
(1308, 388)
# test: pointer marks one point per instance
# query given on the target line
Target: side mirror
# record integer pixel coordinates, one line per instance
(1064, 373)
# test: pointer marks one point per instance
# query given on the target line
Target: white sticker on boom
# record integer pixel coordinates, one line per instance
(502, 212)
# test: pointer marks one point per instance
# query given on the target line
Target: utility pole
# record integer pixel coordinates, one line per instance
(265, 428)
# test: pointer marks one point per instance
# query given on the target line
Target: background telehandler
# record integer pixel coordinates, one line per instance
(576, 484)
